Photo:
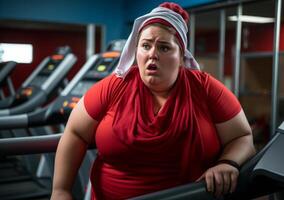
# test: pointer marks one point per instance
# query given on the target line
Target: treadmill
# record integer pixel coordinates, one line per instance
(36, 90)
(41, 84)
(6, 68)
(262, 175)
(96, 68)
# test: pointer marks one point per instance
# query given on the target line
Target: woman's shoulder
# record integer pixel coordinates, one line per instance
(197, 75)
(114, 83)
(113, 77)
(111, 80)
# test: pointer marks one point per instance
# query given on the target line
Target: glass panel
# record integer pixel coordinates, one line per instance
(207, 41)
(256, 69)
(255, 94)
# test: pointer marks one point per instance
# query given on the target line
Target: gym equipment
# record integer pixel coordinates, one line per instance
(6, 68)
(96, 68)
(41, 84)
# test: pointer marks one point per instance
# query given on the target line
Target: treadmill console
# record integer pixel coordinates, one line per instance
(55, 60)
(101, 68)
(25, 94)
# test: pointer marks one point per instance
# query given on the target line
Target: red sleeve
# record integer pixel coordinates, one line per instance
(98, 97)
(223, 104)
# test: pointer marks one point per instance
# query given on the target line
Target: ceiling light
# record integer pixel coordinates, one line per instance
(252, 19)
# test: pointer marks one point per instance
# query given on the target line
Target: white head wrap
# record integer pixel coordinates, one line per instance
(128, 53)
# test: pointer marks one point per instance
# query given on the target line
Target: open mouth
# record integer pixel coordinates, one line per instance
(152, 67)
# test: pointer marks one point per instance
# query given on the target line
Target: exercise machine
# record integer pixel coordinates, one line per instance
(41, 84)
(6, 68)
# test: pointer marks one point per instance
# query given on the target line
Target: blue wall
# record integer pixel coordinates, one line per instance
(141, 7)
(114, 14)
(107, 12)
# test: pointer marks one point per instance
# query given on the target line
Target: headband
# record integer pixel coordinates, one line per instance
(128, 54)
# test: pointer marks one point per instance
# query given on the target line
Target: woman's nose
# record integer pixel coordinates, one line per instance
(153, 54)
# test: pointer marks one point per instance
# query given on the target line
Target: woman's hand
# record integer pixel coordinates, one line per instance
(221, 179)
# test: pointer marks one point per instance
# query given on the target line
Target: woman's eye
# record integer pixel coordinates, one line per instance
(164, 48)
(146, 46)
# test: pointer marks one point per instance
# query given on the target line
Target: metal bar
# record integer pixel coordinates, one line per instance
(10, 86)
(79, 75)
(275, 69)
(59, 73)
(103, 38)
(221, 4)
(222, 44)
(238, 52)
(91, 42)
(36, 72)
(31, 144)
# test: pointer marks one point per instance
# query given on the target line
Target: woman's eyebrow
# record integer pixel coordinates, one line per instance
(159, 41)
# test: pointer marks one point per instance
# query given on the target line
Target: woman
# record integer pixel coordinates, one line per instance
(157, 124)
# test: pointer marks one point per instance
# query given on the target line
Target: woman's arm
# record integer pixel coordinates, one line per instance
(236, 138)
(71, 149)
(237, 142)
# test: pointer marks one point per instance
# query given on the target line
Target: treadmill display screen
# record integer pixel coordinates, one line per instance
(51, 66)
(101, 69)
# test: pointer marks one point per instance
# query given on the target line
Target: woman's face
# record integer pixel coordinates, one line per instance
(158, 57)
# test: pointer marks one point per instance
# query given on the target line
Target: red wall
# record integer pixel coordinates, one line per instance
(44, 44)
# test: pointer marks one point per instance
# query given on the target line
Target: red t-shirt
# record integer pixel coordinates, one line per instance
(121, 171)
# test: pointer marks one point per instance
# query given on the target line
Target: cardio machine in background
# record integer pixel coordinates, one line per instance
(41, 84)
(39, 87)
(96, 68)
(6, 68)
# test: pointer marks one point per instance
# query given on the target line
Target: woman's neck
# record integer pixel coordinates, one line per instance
(161, 94)
(159, 100)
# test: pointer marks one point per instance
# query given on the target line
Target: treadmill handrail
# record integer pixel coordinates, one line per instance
(38, 99)
(194, 191)
(59, 72)
(13, 121)
(79, 75)
(6, 70)
(35, 72)
(31, 144)
(271, 164)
